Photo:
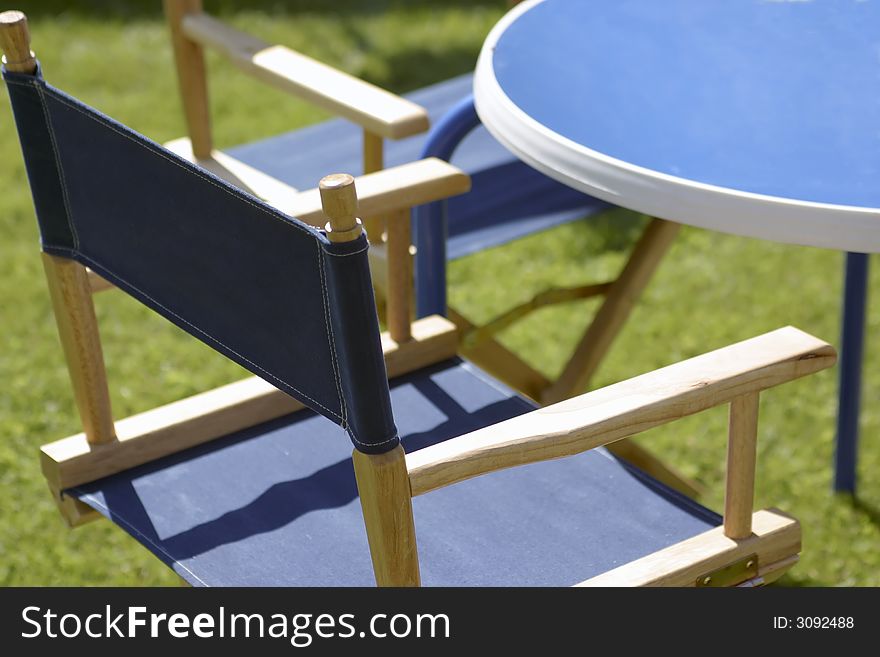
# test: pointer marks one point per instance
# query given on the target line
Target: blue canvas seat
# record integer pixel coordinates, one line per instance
(453, 478)
(290, 515)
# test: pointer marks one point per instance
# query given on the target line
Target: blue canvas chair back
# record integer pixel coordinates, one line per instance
(268, 291)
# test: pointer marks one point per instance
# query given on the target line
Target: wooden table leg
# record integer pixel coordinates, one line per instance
(609, 320)
(599, 336)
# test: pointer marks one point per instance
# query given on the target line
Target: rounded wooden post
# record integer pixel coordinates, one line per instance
(191, 76)
(741, 456)
(382, 479)
(78, 329)
(386, 501)
(374, 160)
(340, 204)
(400, 283)
(15, 40)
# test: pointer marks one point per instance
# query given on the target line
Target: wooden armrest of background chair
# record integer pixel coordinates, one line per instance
(380, 113)
(371, 107)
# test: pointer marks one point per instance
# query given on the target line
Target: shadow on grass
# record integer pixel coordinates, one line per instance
(615, 229)
(871, 512)
(115, 10)
(794, 581)
(413, 68)
(402, 72)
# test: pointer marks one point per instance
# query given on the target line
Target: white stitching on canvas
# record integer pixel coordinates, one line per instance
(39, 88)
(382, 442)
(211, 337)
(344, 255)
(64, 195)
(332, 340)
(236, 194)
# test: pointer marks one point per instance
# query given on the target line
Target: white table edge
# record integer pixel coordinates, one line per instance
(722, 209)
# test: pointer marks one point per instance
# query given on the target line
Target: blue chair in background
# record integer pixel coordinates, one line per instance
(253, 483)
(377, 129)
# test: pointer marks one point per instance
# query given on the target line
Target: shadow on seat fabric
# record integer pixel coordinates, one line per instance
(277, 504)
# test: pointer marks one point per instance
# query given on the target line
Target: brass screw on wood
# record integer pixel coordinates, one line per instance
(750, 564)
(707, 580)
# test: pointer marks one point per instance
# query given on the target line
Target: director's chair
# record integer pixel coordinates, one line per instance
(251, 484)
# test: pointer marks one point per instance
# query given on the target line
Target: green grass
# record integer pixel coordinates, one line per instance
(712, 289)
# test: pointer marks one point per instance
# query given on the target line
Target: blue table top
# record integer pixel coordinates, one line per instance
(770, 97)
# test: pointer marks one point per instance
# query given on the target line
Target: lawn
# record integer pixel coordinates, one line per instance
(711, 290)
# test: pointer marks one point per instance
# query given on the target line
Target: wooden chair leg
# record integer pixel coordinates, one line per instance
(189, 58)
(383, 485)
(374, 160)
(599, 336)
(382, 479)
(78, 328)
(399, 283)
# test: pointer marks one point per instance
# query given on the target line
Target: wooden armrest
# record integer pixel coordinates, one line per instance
(377, 110)
(396, 188)
(381, 192)
(624, 409)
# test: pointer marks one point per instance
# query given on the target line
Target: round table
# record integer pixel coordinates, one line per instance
(753, 117)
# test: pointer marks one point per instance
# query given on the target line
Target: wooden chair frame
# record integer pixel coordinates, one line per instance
(734, 375)
(749, 548)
